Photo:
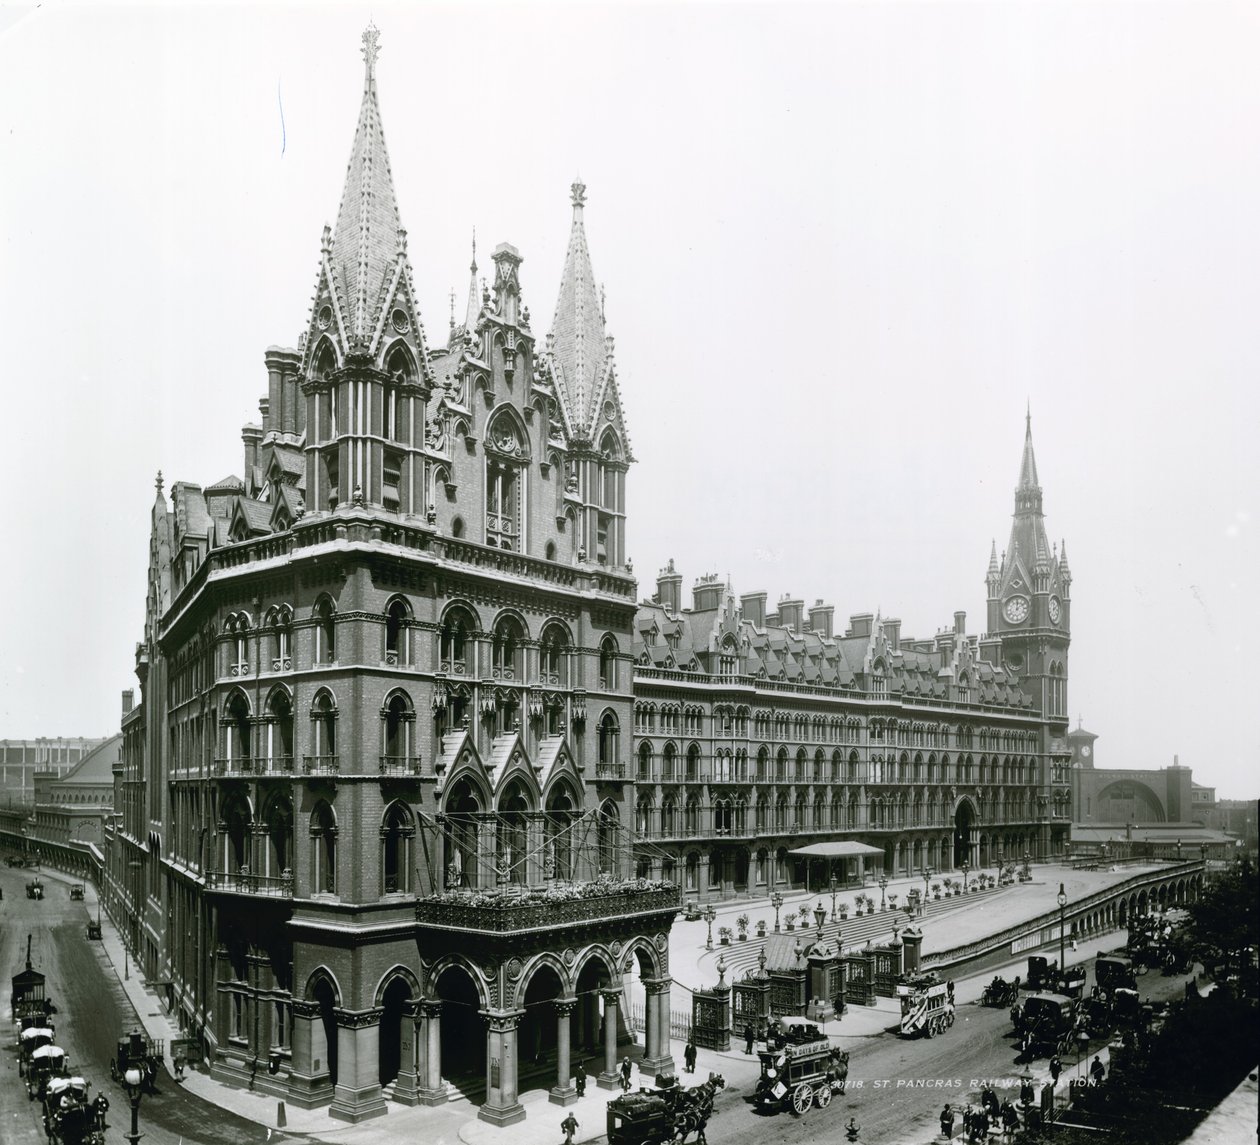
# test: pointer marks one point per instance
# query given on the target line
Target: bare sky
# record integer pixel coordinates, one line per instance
(844, 247)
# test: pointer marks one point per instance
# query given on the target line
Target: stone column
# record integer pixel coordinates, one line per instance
(357, 1094)
(431, 1091)
(609, 1078)
(564, 1092)
(406, 1089)
(502, 1106)
(309, 1083)
(656, 1050)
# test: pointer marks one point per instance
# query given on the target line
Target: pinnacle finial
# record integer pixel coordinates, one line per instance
(158, 482)
(371, 49)
(577, 191)
(452, 308)
(473, 266)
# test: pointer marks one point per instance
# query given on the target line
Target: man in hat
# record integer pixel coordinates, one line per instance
(748, 1038)
(625, 1075)
(579, 1079)
(1097, 1071)
(1056, 1068)
(570, 1127)
(689, 1056)
(947, 1121)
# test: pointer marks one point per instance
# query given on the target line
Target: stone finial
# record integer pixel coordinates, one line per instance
(371, 49)
(158, 482)
(577, 192)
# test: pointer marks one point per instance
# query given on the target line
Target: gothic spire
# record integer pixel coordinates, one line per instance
(474, 300)
(1028, 463)
(578, 345)
(366, 237)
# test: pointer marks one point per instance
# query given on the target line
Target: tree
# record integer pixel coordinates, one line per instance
(1225, 923)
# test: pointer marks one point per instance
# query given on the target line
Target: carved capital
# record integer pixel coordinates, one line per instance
(358, 1019)
(302, 1008)
(564, 1006)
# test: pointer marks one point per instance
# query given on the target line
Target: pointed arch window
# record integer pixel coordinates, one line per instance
(553, 656)
(608, 663)
(325, 631)
(561, 814)
(238, 737)
(611, 501)
(279, 731)
(398, 718)
(462, 836)
(397, 836)
(453, 642)
(282, 639)
(279, 821)
(323, 836)
(397, 632)
(609, 734)
(236, 831)
(323, 735)
(507, 454)
(505, 650)
(608, 839)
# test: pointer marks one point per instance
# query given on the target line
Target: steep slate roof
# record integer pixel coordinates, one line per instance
(366, 235)
(97, 766)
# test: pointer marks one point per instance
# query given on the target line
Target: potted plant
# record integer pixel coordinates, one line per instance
(742, 923)
(892, 902)
(802, 914)
(844, 911)
(724, 935)
(791, 921)
(936, 890)
(761, 928)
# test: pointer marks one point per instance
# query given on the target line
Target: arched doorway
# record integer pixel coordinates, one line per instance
(462, 1034)
(537, 1038)
(964, 822)
(393, 1014)
(325, 996)
(586, 1033)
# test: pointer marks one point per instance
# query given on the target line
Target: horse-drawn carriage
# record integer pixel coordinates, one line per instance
(46, 1063)
(76, 892)
(31, 1039)
(665, 1113)
(70, 1116)
(1114, 970)
(1001, 993)
(927, 1005)
(35, 889)
(138, 1052)
(799, 1068)
(29, 1005)
(94, 929)
(1046, 1022)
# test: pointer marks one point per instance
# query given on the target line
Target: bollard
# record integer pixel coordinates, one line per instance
(280, 1118)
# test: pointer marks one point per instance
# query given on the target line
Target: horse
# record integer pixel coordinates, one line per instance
(838, 1070)
(696, 1110)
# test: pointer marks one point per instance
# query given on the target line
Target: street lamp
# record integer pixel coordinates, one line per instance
(883, 887)
(820, 916)
(776, 901)
(927, 876)
(964, 867)
(1061, 898)
(710, 913)
(132, 1079)
(833, 898)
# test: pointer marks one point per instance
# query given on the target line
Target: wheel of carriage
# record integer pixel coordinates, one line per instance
(822, 1095)
(929, 1028)
(802, 1098)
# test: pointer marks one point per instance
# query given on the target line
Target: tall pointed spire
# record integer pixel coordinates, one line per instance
(474, 300)
(1028, 463)
(578, 346)
(366, 236)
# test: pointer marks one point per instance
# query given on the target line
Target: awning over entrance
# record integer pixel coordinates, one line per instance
(840, 849)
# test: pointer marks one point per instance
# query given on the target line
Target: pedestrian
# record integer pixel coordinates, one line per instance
(947, 1122)
(1097, 1071)
(579, 1079)
(1026, 1092)
(1073, 945)
(625, 1075)
(179, 1067)
(748, 1038)
(1056, 1068)
(570, 1127)
(689, 1056)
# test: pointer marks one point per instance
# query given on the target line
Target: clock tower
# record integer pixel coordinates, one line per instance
(1029, 597)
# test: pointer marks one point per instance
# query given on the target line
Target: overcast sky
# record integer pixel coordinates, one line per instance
(844, 247)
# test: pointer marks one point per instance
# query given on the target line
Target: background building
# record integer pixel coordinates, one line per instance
(21, 759)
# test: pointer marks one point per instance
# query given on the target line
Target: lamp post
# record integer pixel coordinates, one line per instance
(883, 887)
(132, 1079)
(964, 867)
(820, 916)
(927, 877)
(1061, 898)
(776, 901)
(833, 898)
(710, 913)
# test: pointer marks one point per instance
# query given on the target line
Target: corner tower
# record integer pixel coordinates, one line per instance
(364, 364)
(1029, 595)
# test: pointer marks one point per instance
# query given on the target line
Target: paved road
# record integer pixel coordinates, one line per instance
(92, 1012)
(897, 1086)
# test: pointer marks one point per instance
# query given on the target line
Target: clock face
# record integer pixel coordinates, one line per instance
(1016, 609)
(1086, 751)
(1055, 610)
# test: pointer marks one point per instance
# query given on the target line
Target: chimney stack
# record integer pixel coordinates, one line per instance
(820, 618)
(754, 606)
(706, 593)
(128, 701)
(669, 589)
(860, 625)
(791, 612)
(892, 632)
(960, 623)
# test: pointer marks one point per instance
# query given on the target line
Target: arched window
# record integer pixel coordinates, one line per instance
(401, 373)
(279, 820)
(608, 663)
(453, 641)
(237, 739)
(236, 831)
(561, 813)
(464, 814)
(238, 629)
(608, 839)
(397, 724)
(323, 734)
(397, 833)
(515, 807)
(611, 501)
(691, 816)
(693, 763)
(505, 649)
(397, 633)
(279, 731)
(609, 735)
(553, 655)
(323, 849)
(643, 816)
(669, 817)
(669, 764)
(325, 631)
(507, 451)
(645, 762)
(282, 640)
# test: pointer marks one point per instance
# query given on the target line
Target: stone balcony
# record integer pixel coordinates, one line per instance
(493, 912)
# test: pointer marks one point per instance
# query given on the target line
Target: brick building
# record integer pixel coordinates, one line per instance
(383, 825)
(373, 822)
(20, 759)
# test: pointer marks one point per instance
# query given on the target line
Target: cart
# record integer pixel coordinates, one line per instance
(94, 929)
(662, 1113)
(35, 889)
(70, 1117)
(142, 1053)
(1112, 971)
(927, 1005)
(800, 1068)
(76, 892)
(46, 1063)
(29, 1040)
(1049, 1020)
